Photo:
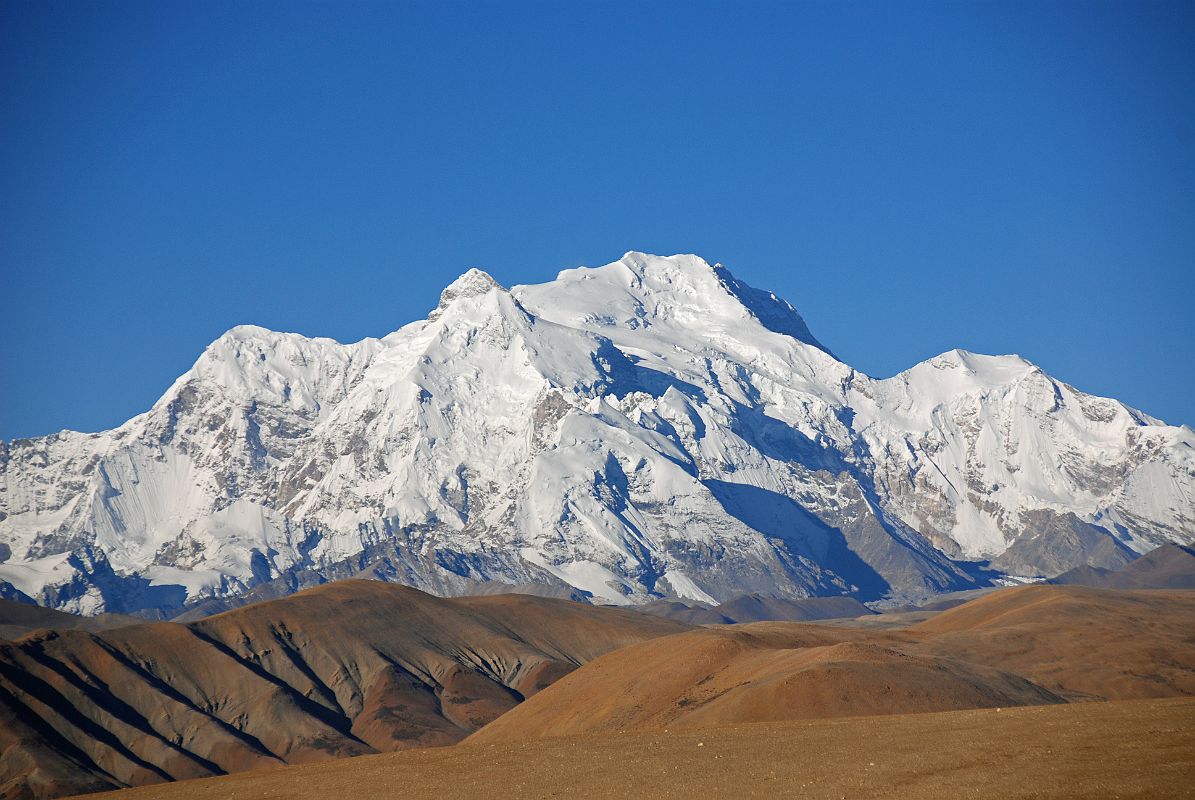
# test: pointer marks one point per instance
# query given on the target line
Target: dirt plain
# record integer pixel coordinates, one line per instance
(1121, 749)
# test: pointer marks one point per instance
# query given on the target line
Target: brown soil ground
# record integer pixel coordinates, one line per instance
(1137, 748)
(1032, 645)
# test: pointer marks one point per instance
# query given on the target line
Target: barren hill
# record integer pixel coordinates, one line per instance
(17, 619)
(1170, 566)
(346, 669)
(1023, 646)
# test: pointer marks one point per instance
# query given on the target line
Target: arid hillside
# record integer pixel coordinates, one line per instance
(1170, 566)
(17, 619)
(346, 669)
(1025, 646)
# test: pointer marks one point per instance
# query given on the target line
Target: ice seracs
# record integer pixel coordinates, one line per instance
(652, 427)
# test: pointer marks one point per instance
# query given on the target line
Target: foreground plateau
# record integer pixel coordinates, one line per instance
(1142, 748)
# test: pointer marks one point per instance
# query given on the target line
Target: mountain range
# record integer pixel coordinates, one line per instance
(651, 429)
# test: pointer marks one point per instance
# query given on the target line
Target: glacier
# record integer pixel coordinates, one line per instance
(650, 428)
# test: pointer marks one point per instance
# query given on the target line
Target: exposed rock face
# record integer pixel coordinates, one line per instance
(350, 668)
(653, 428)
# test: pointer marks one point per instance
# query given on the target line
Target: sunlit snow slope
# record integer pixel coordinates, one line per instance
(653, 427)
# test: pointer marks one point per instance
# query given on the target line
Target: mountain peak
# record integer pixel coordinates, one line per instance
(685, 262)
(242, 333)
(771, 311)
(640, 290)
(665, 273)
(472, 283)
(995, 367)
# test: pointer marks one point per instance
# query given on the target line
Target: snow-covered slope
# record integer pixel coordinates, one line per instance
(653, 427)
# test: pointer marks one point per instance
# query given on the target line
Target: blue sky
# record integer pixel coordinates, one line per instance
(1000, 177)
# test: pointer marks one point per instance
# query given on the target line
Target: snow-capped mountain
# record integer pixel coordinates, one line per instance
(653, 427)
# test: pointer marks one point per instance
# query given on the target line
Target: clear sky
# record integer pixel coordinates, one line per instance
(914, 177)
